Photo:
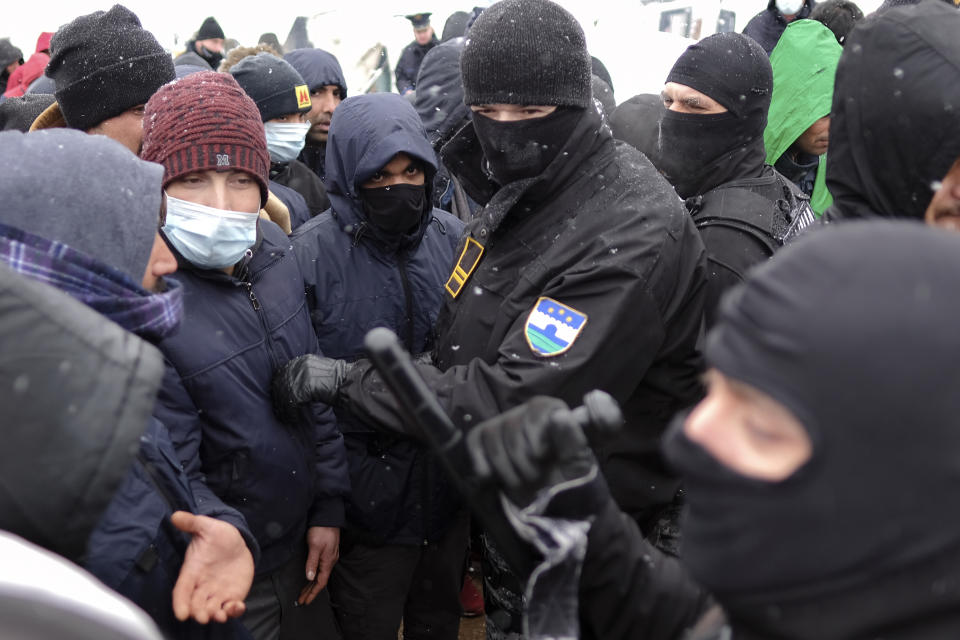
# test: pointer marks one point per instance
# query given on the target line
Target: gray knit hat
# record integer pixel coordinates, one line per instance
(530, 52)
(103, 64)
(88, 192)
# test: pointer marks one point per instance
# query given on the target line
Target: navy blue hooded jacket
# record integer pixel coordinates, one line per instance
(319, 69)
(236, 331)
(358, 278)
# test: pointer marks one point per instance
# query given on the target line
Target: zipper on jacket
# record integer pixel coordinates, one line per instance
(252, 295)
(244, 277)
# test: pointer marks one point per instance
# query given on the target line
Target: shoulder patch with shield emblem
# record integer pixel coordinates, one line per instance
(552, 327)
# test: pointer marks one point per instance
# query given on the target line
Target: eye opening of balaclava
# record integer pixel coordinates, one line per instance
(699, 152)
(398, 209)
(847, 330)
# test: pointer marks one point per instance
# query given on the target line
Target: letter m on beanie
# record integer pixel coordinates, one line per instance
(303, 96)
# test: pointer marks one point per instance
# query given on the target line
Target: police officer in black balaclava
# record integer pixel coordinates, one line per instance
(581, 270)
(711, 149)
(820, 472)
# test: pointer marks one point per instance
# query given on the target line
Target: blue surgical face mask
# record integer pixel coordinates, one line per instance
(207, 237)
(285, 139)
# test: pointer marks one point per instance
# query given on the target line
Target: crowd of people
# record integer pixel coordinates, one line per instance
(754, 265)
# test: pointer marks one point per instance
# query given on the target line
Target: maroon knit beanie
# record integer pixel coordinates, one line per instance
(205, 121)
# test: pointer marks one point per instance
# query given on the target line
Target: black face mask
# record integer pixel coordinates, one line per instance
(396, 209)
(523, 148)
(699, 152)
(212, 57)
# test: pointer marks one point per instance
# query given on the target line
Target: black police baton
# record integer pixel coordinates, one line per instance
(420, 406)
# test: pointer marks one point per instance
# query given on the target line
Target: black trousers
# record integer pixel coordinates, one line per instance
(272, 609)
(373, 588)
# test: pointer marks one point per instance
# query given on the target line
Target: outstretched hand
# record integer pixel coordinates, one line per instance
(217, 570)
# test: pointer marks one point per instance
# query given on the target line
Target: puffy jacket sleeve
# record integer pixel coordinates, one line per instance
(629, 589)
(175, 409)
(332, 478)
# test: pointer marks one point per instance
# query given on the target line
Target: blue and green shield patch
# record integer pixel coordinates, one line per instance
(552, 327)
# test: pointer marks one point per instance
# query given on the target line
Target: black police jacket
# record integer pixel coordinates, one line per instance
(602, 240)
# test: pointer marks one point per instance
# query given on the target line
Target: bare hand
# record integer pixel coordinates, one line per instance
(217, 570)
(323, 551)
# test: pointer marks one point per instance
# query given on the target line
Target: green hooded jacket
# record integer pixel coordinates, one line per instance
(804, 64)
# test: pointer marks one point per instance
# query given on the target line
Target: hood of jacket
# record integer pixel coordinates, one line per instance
(439, 98)
(318, 68)
(894, 130)
(365, 133)
(804, 64)
(112, 196)
(71, 436)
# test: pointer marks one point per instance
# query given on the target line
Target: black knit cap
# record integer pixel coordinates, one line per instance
(273, 84)
(732, 69)
(103, 64)
(530, 52)
(210, 29)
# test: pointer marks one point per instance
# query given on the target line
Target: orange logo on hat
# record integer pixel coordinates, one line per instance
(303, 96)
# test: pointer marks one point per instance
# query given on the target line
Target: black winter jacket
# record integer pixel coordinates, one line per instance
(603, 235)
(300, 178)
(742, 223)
(236, 331)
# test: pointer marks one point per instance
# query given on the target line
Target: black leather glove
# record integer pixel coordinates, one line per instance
(531, 447)
(304, 380)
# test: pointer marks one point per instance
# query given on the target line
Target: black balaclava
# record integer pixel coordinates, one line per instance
(523, 148)
(700, 152)
(526, 52)
(397, 209)
(853, 331)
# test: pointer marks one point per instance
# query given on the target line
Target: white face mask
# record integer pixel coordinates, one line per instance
(207, 237)
(285, 139)
(790, 7)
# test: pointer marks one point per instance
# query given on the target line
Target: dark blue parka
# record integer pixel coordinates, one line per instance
(236, 331)
(358, 278)
(135, 549)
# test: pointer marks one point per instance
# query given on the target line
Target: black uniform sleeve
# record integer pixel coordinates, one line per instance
(629, 589)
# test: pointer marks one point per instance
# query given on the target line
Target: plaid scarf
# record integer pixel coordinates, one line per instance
(106, 290)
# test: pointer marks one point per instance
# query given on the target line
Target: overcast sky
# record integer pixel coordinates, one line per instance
(622, 33)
